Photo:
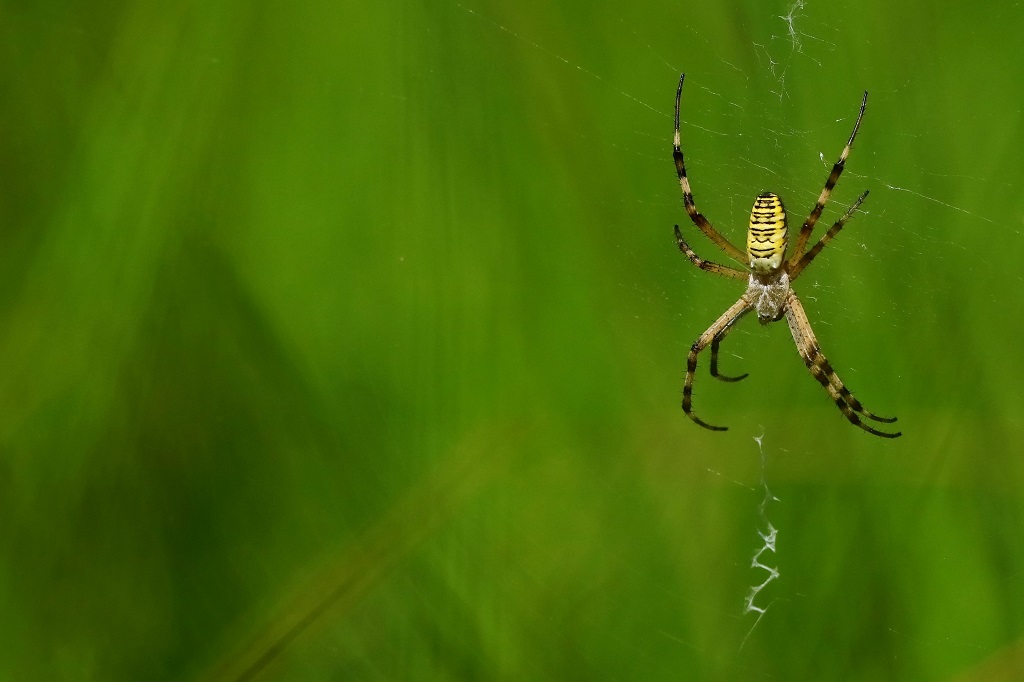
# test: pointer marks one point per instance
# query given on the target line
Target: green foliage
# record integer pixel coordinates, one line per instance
(345, 341)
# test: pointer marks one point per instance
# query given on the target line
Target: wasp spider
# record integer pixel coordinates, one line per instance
(769, 276)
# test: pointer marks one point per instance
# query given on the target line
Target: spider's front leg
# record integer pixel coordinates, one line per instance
(821, 369)
(714, 349)
(722, 324)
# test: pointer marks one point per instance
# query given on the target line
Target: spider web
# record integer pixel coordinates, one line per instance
(768, 534)
(802, 44)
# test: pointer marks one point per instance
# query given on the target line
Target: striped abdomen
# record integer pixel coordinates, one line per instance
(767, 235)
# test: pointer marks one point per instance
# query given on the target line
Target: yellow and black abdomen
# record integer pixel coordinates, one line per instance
(767, 235)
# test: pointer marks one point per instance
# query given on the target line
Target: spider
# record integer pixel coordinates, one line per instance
(769, 276)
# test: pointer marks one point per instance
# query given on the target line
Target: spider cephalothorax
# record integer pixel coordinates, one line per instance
(769, 276)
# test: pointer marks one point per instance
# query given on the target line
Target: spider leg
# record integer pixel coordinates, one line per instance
(833, 178)
(718, 270)
(684, 183)
(821, 370)
(795, 270)
(735, 311)
(824, 367)
(706, 264)
(714, 348)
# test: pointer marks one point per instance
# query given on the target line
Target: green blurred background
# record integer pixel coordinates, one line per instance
(345, 341)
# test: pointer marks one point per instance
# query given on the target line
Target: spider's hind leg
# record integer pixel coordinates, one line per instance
(684, 184)
(826, 192)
